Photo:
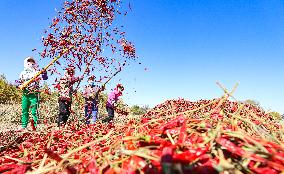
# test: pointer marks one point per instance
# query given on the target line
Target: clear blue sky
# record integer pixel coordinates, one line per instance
(187, 45)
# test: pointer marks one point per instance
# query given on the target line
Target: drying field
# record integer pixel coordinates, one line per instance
(177, 136)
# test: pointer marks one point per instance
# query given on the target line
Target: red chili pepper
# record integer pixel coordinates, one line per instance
(275, 165)
(173, 123)
(130, 145)
(145, 120)
(150, 169)
(193, 139)
(182, 134)
(154, 131)
(231, 147)
(264, 170)
(7, 167)
(110, 171)
(53, 155)
(173, 131)
(237, 150)
(138, 162)
(207, 160)
(57, 158)
(92, 167)
(189, 155)
(132, 165)
(153, 140)
(21, 169)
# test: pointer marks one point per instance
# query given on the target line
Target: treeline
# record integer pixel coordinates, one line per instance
(8, 92)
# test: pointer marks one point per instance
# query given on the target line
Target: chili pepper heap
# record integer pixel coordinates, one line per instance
(177, 136)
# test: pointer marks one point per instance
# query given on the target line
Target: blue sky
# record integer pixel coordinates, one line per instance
(186, 46)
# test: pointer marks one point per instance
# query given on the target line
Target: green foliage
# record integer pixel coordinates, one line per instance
(253, 102)
(276, 115)
(8, 92)
(137, 110)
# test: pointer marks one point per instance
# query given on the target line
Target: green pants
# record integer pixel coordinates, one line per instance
(29, 100)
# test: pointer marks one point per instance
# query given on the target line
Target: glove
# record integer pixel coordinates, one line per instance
(44, 75)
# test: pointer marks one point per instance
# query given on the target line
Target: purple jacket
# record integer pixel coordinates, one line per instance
(113, 97)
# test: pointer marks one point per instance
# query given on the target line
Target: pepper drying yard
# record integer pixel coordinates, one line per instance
(178, 136)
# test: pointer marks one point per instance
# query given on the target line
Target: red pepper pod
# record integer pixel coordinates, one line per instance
(189, 155)
(130, 145)
(173, 123)
(182, 134)
(133, 164)
(149, 169)
(128, 166)
(80, 132)
(21, 169)
(153, 139)
(138, 162)
(264, 170)
(57, 158)
(145, 120)
(53, 155)
(172, 131)
(193, 139)
(155, 131)
(110, 171)
(7, 167)
(230, 146)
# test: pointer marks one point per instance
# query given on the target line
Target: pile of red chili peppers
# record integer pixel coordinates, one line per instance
(178, 136)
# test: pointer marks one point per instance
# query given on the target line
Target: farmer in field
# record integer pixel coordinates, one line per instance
(65, 91)
(91, 95)
(30, 94)
(112, 100)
